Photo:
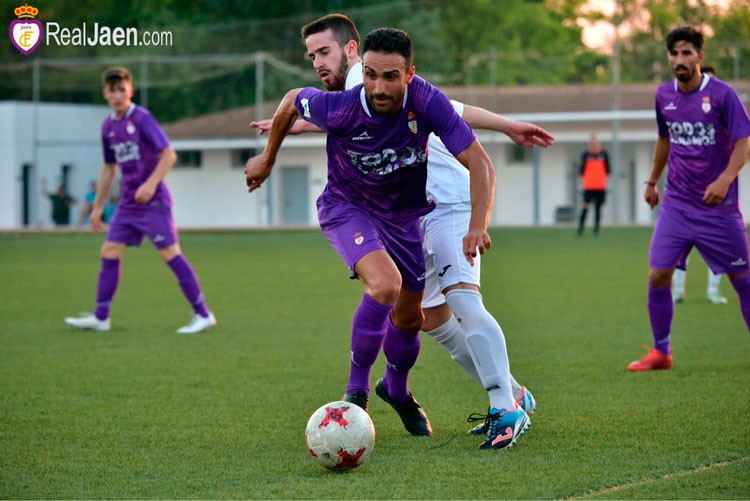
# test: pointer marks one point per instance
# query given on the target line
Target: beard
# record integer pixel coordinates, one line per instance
(339, 76)
(685, 76)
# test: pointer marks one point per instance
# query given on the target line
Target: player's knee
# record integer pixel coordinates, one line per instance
(384, 289)
(111, 251)
(660, 278)
(409, 320)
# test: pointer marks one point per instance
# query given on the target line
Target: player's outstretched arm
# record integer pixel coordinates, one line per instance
(522, 133)
(258, 168)
(482, 188)
(298, 127)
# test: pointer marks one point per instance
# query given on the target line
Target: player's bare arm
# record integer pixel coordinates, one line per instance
(661, 153)
(298, 127)
(717, 191)
(482, 188)
(522, 133)
(258, 168)
(103, 190)
(145, 192)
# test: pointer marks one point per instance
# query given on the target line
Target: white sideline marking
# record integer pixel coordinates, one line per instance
(668, 476)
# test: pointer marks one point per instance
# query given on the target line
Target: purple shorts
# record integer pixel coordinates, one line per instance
(354, 234)
(720, 237)
(129, 226)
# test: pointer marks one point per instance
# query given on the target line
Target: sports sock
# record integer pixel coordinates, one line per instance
(109, 279)
(486, 343)
(597, 218)
(368, 330)
(189, 284)
(678, 282)
(713, 283)
(401, 349)
(582, 221)
(453, 338)
(517, 388)
(660, 312)
(742, 286)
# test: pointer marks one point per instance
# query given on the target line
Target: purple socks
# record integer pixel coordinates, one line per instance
(189, 284)
(401, 349)
(368, 331)
(742, 286)
(660, 312)
(109, 278)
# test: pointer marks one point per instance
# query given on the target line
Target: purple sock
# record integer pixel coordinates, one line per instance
(368, 330)
(660, 312)
(109, 278)
(401, 348)
(742, 286)
(189, 284)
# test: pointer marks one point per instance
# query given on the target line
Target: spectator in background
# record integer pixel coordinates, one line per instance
(61, 203)
(594, 175)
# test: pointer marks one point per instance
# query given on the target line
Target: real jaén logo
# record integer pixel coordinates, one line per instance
(26, 32)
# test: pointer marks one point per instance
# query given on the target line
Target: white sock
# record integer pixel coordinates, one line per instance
(517, 388)
(713, 283)
(678, 282)
(486, 343)
(452, 336)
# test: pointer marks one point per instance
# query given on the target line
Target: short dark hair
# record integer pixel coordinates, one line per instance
(685, 34)
(708, 69)
(389, 40)
(342, 27)
(115, 75)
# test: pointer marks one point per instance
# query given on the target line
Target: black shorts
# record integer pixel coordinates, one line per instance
(595, 196)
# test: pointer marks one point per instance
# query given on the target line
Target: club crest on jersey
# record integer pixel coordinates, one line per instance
(412, 126)
(130, 127)
(26, 32)
(706, 106)
(358, 238)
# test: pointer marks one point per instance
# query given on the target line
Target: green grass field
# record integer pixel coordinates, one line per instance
(141, 412)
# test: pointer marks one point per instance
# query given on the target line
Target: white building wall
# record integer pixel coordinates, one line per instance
(215, 195)
(64, 134)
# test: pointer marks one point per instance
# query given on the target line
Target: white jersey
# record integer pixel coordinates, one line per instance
(447, 178)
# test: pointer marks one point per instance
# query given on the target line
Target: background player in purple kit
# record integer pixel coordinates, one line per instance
(133, 139)
(704, 137)
(377, 136)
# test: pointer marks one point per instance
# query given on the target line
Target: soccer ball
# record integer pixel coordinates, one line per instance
(340, 436)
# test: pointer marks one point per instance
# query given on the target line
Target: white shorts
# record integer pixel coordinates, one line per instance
(444, 230)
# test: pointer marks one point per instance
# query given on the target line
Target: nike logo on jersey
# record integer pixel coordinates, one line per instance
(445, 268)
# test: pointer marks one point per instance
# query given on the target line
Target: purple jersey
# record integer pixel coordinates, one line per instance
(702, 127)
(134, 142)
(379, 163)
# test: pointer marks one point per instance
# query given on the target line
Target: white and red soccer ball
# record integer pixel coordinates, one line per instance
(340, 436)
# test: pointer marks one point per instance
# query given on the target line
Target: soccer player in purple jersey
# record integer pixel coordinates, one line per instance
(133, 140)
(332, 44)
(370, 209)
(704, 137)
